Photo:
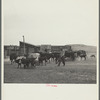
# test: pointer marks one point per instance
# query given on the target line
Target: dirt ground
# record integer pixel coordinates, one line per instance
(74, 72)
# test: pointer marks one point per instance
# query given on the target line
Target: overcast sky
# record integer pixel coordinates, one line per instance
(56, 22)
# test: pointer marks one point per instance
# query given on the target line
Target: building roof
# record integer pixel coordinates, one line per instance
(11, 46)
(27, 44)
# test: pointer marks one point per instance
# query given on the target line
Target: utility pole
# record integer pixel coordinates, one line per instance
(9, 50)
(24, 44)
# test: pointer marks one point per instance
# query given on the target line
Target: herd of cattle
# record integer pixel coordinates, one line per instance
(39, 58)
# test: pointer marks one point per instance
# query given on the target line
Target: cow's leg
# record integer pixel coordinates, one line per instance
(11, 62)
(81, 58)
(49, 60)
(18, 65)
(24, 66)
(35, 64)
(45, 62)
(14, 60)
(73, 58)
(42, 63)
(39, 63)
(56, 60)
(85, 57)
(27, 65)
(53, 59)
(32, 65)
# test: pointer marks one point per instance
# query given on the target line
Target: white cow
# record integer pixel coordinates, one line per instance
(34, 55)
(20, 57)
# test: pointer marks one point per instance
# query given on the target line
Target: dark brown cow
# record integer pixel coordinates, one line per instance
(70, 54)
(13, 57)
(82, 54)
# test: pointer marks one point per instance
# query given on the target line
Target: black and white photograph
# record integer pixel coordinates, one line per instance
(50, 41)
(50, 50)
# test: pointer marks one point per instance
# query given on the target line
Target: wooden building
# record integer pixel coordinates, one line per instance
(58, 48)
(52, 48)
(29, 48)
(9, 49)
(45, 48)
(26, 48)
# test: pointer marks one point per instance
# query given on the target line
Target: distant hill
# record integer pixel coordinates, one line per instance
(87, 48)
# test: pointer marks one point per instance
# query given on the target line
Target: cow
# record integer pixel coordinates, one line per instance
(49, 56)
(33, 62)
(34, 56)
(25, 61)
(56, 56)
(92, 56)
(13, 57)
(39, 58)
(19, 60)
(82, 54)
(70, 54)
(43, 57)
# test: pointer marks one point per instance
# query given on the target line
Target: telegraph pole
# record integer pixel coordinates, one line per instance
(9, 50)
(24, 44)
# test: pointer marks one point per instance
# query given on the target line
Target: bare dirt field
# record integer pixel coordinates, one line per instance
(74, 72)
